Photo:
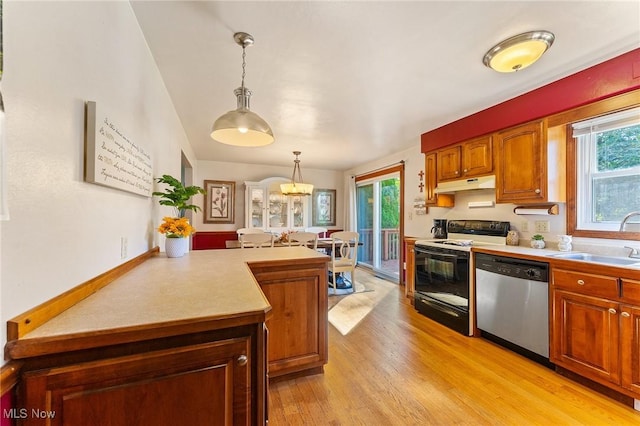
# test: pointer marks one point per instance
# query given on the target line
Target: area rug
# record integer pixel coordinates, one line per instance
(353, 308)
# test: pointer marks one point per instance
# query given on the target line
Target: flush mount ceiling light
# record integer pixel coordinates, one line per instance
(296, 188)
(518, 52)
(241, 127)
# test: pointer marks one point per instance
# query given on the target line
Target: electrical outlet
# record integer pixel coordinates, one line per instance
(123, 247)
(524, 226)
(542, 226)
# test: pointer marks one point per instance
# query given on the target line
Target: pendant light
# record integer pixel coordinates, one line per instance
(296, 188)
(241, 127)
(518, 52)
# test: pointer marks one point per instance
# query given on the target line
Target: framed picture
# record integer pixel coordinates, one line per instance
(324, 207)
(219, 202)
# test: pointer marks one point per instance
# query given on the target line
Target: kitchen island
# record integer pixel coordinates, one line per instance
(179, 341)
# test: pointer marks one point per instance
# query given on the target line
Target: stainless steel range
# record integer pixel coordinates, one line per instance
(443, 270)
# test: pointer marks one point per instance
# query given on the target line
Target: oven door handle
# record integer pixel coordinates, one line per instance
(436, 254)
(440, 308)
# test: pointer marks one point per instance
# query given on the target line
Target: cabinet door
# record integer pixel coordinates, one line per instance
(409, 244)
(477, 157)
(299, 316)
(586, 336)
(521, 172)
(255, 207)
(430, 179)
(195, 385)
(449, 163)
(277, 208)
(630, 347)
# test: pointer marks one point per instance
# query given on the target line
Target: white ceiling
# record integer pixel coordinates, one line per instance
(351, 82)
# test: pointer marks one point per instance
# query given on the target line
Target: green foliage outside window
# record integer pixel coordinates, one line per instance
(616, 190)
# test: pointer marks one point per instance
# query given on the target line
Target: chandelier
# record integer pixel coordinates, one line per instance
(241, 127)
(296, 188)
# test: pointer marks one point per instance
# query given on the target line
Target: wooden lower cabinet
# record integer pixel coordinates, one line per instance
(410, 281)
(208, 383)
(630, 347)
(586, 340)
(298, 324)
(596, 328)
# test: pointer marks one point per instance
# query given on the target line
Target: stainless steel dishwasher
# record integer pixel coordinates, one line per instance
(512, 304)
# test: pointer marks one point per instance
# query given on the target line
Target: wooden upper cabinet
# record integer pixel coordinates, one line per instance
(431, 180)
(477, 157)
(521, 169)
(449, 163)
(469, 159)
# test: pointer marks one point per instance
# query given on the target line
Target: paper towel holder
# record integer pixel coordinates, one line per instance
(541, 209)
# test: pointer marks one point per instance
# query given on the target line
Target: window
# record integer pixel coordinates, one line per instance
(608, 171)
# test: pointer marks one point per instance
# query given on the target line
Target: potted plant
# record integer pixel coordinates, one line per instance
(537, 241)
(178, 195)
(177, 229)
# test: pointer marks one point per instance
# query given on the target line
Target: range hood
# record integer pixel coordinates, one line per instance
(483, 182)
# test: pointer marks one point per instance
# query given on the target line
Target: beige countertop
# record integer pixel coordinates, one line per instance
(202, 286)
(631, 271)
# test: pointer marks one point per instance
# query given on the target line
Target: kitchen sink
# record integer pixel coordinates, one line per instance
(587, 257)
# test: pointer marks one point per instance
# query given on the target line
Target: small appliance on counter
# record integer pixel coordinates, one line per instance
(439, 229)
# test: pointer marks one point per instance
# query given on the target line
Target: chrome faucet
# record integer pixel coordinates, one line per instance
(626, 218)
(635, 252)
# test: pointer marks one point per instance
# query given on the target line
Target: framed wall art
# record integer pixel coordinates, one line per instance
(219, 203)
(324, 207)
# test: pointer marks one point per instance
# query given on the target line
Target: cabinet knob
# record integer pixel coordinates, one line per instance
(537, 191)
(625, 314)
(242, 360)
(581, 282)
(457, 172)
(612, 311)
(465, 170)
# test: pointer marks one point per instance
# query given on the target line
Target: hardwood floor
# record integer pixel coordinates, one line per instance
(396, 367)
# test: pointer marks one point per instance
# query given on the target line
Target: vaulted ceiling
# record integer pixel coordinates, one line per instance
(350, 82)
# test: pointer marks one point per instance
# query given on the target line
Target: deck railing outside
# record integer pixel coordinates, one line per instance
(390, 244)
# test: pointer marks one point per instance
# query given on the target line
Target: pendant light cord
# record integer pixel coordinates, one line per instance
(244, 64)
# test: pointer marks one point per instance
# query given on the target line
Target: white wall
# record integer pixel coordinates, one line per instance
(241, 172)
(63, 231)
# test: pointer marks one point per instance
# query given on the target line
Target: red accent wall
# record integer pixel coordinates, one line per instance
(216, 240)
(616, 76)
(212, 240)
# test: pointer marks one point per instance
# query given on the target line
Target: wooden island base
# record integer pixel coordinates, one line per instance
(151, 350)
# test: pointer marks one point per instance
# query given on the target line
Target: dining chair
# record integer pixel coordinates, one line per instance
(308, 239)
(344, 256)
(256, 240)
(243, 231)
(322, 232)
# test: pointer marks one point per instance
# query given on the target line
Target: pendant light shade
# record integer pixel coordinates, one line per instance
(242, 127)
(518, 52)
(296, 188)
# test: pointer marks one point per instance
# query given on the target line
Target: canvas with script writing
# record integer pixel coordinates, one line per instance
(112, 158)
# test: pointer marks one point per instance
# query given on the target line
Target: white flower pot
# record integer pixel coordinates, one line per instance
(174, 247)
(537, 244)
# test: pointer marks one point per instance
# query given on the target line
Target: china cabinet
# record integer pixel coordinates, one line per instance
(268, 209)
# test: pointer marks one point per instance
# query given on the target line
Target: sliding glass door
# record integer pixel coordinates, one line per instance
(378, 219)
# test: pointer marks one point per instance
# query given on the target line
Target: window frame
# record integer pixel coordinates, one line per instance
(607, 106)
